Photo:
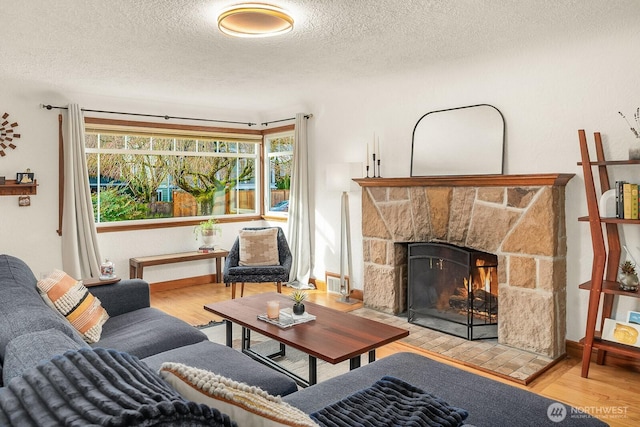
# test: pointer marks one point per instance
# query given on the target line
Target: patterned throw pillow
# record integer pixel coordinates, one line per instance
(246, 405)
(72, 299)
(259, 247)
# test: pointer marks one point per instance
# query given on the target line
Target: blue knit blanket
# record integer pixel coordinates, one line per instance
(99, 387)
(390, 402)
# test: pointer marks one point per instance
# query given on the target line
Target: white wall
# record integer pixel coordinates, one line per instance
(545, 95)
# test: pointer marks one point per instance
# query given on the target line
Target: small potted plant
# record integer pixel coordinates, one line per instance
(628, 277)
(298, 297)
(208, 230)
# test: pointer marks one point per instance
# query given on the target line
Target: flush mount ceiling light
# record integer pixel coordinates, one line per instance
(254, 20)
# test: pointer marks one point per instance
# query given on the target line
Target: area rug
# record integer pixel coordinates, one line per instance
(485, 355)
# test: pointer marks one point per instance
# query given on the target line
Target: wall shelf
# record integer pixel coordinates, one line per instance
(12, 188)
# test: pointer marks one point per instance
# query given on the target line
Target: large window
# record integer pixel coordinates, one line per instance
(279, 157)
(139, 173)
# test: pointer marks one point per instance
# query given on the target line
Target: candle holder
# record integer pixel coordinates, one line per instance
(374, 165)
(379, 176)
(367, 171)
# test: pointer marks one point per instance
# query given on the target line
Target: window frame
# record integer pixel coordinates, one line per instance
(256, 135)
(275, 133)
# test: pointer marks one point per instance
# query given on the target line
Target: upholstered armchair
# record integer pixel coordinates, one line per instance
(259, 255)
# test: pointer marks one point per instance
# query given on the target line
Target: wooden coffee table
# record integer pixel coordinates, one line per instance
(333, 337)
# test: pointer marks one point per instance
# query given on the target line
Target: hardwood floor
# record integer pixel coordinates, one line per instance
(610, 393)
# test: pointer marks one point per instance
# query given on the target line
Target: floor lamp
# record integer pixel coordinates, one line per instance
(340, 178)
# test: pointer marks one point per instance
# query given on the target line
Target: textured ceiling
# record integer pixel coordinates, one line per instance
(171, 51)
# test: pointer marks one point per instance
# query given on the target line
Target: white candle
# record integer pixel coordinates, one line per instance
(378, 147)
(273, 309)
(367, 154)
(374, 146)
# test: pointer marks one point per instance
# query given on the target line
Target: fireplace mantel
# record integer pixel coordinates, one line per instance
(549, 179)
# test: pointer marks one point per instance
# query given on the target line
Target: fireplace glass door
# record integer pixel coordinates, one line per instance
(453, 290)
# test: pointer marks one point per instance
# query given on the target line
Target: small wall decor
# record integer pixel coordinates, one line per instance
(7, 135)
(24, 201)
(25, 177)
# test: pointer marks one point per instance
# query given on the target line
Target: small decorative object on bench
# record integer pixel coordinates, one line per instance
(209, 230)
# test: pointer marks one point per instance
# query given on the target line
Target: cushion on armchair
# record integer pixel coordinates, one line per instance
(259, 247)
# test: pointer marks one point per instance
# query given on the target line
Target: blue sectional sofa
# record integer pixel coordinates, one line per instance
(32, 336)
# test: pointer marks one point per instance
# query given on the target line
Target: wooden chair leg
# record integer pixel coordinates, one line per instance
(242, 290)
(279, 287)
(233, 290)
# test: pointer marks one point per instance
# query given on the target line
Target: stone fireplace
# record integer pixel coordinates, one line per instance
(519, 218)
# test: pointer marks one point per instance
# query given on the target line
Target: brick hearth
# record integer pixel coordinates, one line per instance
(520, 218)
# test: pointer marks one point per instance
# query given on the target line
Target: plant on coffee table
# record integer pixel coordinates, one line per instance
(298, 297)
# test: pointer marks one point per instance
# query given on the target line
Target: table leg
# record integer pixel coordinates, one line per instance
(218, 270)
(229, 327)
(246, 338)
(354, 363)
(313, 370)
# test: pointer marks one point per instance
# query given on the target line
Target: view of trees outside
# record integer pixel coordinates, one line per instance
(280, 159)
(145, 177)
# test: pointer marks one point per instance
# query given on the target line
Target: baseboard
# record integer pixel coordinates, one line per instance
(574, 349)
(182, 283)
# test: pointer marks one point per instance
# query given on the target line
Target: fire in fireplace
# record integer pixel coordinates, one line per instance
(453, 290)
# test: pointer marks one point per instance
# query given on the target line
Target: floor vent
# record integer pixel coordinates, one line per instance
(333, 283)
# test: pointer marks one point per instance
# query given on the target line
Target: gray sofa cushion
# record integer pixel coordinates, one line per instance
(230, 363)
(111, 296)
(26, 351)
(147, 331)
(22, 309)
(489, 402)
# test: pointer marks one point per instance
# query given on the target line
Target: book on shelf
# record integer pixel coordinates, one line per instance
(206, 249)
(287, 319)
(627, 200)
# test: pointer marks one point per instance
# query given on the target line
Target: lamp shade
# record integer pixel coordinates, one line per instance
(340, 176)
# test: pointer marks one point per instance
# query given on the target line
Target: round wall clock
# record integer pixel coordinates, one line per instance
(7, 135)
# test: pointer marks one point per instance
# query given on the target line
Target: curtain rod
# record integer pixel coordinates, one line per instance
(50, 107)
(307, 116)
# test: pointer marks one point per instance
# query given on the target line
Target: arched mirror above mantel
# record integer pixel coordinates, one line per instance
(459, 141)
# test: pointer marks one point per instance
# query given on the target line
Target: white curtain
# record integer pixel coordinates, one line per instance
(299, 231)
(80, 252)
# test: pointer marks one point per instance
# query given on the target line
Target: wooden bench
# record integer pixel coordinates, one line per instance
(137, 265)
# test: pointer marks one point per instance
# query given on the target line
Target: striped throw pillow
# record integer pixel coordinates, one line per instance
(72, 299)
